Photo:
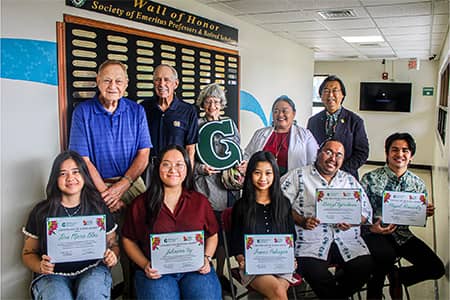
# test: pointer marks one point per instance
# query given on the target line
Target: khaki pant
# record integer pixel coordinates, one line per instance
(135, 190)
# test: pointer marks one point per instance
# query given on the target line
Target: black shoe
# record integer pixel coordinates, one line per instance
(395, 285)
(225, 283)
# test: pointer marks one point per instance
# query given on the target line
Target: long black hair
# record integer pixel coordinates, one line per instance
(155, 193)
(89, 193)
(280, 206)
(90, 198)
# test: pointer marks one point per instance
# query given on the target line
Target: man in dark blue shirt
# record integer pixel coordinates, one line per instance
(170, 120)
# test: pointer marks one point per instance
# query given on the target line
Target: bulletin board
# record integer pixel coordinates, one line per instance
(83, 44)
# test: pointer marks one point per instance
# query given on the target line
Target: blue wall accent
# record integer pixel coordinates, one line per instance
(250, 103)
(29, 60)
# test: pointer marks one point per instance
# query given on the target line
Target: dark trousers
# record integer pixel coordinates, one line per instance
(349, 276)
(425, 263)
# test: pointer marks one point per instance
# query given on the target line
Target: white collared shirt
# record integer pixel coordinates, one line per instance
(299, 186)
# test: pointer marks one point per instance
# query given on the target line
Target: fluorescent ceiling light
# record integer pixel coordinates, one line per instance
(363, 39)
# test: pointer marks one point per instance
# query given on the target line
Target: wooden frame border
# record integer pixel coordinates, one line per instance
(61, 50)
(62, 92)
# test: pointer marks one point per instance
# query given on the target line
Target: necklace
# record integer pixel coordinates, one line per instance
(74, 213)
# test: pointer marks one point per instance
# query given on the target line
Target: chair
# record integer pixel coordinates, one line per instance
(234, 272)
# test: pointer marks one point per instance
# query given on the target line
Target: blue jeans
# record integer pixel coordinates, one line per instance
(94, 283)
(191, 285)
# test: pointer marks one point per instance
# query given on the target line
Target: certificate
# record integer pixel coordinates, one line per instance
(403, 208)
(334, 206)
(72, 239)
(177, 252)
(269, 254)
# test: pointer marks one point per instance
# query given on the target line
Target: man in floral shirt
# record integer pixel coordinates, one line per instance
(319, 245)
(387, 242)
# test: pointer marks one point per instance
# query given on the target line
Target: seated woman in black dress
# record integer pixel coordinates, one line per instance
(261, 210)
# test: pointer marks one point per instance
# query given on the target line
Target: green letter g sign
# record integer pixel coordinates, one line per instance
(205, 147)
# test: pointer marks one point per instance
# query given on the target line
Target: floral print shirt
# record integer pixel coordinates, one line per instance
(299, 186)
(384, 179)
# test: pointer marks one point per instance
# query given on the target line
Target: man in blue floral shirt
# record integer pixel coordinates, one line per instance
(387, 242)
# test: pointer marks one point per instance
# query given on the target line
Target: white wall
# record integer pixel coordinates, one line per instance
(270, 66)
(420, 122)
(441, 185)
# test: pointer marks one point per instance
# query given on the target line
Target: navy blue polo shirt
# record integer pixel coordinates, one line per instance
(177, 125)
(110, 140)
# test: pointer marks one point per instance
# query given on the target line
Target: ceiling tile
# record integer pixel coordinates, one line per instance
(403, 21)
(312, 34)
(441, 7)
(357, 32)
(440, 28)
(282, 17)
(408, 37)
(383, 2)
(405, 24)
(314, 4)
(259, 6)
(294, 26)
(349, 24)
(415, 9)
(440, 20)
(405, 30)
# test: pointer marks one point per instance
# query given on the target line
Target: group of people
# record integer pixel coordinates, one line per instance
(114, 141)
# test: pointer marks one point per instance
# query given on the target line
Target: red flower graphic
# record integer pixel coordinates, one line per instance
(386, 197)
(320, 195)
(290, 241)
(357, 195)
(249, 243)
(155, 242)
(423, 199)
(199, 238)
(101, 223)
(52, 226)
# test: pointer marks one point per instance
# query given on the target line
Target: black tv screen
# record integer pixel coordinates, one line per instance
(385, 96)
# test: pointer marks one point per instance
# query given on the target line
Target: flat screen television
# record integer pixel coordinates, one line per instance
(385, 96)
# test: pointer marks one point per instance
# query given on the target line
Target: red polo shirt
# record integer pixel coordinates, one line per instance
(192, 212)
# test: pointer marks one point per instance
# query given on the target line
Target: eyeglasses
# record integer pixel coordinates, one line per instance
(330, 153)
(328, 91)
(210, 102)
(166, 166)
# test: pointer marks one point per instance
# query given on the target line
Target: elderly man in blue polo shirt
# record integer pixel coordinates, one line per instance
(170, 120)
(111, 133)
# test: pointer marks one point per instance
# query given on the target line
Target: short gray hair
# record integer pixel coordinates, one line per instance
(212, 90)
(174, 71)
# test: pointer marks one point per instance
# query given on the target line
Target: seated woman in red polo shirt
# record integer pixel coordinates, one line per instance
(171, 205)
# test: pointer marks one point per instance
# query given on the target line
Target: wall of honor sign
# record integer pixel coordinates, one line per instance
(88, 43)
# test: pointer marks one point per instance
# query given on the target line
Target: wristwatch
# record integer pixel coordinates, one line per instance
(209, 258)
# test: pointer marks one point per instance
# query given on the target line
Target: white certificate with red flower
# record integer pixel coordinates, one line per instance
(334, 206)
(177, 252)
(71, 239)
(269, 254)
(404, 208)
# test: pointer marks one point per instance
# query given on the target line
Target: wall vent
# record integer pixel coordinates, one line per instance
(334, 14)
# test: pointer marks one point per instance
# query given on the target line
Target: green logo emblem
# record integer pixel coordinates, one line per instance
(205, 147)
(78, 3)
